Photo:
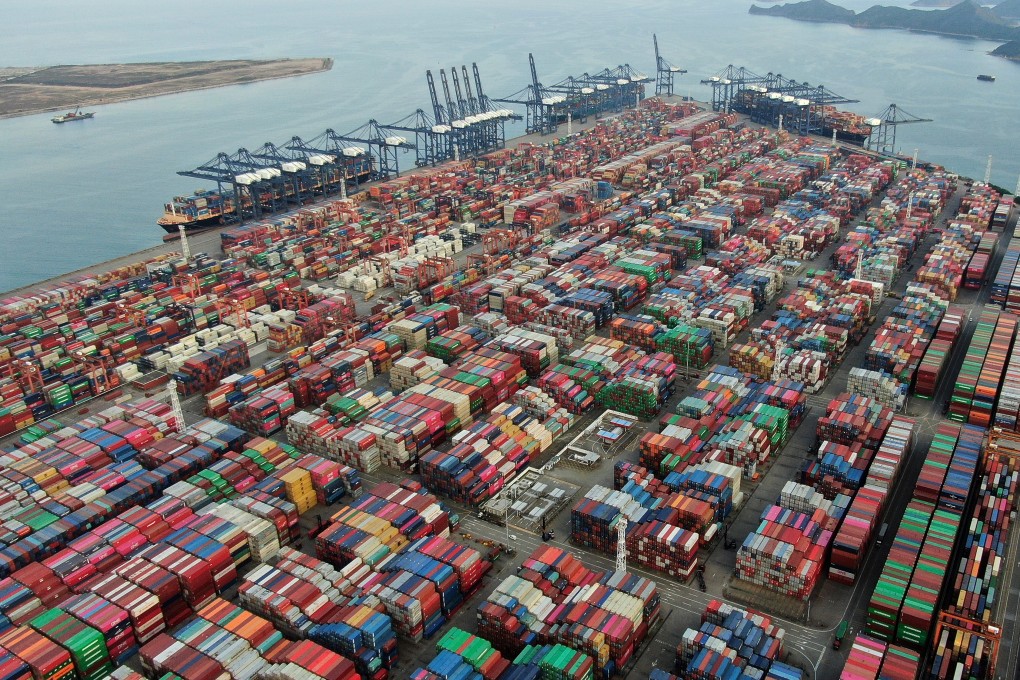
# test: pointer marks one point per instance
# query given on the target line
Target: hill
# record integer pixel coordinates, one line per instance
(1008, 9)
(966, 18)
(811, 10)
(1010, 50)
(963, 19)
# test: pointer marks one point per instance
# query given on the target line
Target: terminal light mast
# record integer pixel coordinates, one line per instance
(621, 544)
(175, 405)
(185, 249)
(777, 373)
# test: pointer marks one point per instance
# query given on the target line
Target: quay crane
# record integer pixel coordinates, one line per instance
(382, 148)
(771, 97)
(609, 90)
(495, 130)
(884, 126)
(355, 163)
(539, 104)
(428, 143)
(467, 125)
(252, 181)
(624, 84)
(294, 165)
(664, 72)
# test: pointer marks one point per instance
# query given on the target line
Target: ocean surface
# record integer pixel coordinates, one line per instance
(74, 195)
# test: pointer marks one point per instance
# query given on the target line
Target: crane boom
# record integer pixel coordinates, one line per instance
(446, 93)
(437, 108)
(478, 82)
(473, 107)
(462, 111)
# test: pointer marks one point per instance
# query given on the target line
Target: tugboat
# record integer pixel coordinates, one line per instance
(986, 78)
(77, 114)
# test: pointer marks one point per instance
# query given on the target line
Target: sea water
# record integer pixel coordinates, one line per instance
(80, 193)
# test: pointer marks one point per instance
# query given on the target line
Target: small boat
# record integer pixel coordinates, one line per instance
(77, 114)
(986, 78)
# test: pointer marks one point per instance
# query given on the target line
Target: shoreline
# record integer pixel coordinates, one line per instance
(201, 241)
(764, 11)
(171, 85)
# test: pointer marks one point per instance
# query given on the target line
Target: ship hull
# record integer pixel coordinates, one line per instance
(193, 226)
(60, 120)
(844, 136)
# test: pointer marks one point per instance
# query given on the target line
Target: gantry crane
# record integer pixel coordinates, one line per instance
(498, 116)
(771, 98)
(293, 299)
(189, 283)
(97, 369)
(498, 241)
(468, 125)
(246, 186)
(382, 147)
(268, 178)
(463, 106)
(27, 374)
(227, 307)
(989, 633)
(435, 269)
(355, 164)
(385, 271)
(452, 110)
(394, 243)
(295, 170)
(430, 140)
(310, 219)
(125, 313)
(483, 263)
(539, 105)
(664, 72)
(465, 134)
(625, 86)
(330, 168)
(883, 136)
(472, 103)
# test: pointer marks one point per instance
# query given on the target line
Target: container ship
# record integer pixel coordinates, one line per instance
(77, 114)
(823, 119)
(206, 209)
(849, 127)
(202, 210)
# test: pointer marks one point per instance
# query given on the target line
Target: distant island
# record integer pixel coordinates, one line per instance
(965, 19)
(1008, 10)
(27, 90)
(1010, 50)
(934, 3)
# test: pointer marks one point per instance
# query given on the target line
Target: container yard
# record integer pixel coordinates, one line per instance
(672, 396)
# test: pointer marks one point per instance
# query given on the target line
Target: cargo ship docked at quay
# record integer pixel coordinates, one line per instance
(206, 209)
(280, 179)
